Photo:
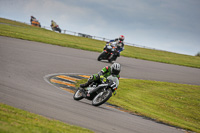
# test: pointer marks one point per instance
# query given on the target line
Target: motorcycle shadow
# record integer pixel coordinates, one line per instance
(106, 62)
(105, 106)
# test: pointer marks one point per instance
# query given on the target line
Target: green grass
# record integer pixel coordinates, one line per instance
(170, 103)
(174, 104)
(14, 120)
(27, 32)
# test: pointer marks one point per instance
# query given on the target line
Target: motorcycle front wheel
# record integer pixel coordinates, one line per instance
(59, 30)
(101, 56)
(102, 97)
(78, 95)
(111, 58)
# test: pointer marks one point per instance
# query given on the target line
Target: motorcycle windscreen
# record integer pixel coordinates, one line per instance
(109, 47)
(114, 79)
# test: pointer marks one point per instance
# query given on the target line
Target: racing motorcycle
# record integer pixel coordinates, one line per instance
(35, 23)
(56, 28)
(98, 94)
(110, 52)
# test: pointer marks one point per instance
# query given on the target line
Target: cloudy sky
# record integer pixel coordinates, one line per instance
(171, 25)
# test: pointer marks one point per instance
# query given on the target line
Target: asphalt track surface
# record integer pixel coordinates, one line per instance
(24, 64)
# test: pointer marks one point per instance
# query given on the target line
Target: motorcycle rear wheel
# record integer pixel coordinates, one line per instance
(78, 95)
(102, 97)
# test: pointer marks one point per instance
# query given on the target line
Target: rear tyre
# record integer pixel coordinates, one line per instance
(78, 95)
(102, 97)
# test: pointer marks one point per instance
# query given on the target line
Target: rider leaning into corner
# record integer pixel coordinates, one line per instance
(53, 24)
(32, 19)
(101, 77)
(119, 43)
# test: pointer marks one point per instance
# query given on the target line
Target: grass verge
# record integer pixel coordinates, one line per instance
(15, 120)
(170, 103)
(15, 29)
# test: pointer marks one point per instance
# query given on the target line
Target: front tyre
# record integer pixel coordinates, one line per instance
(111, 58)
(78, 95)
(101, 56)
(102, 97)
(59, 30)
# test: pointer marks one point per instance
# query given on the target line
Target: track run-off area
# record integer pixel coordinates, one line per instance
(35, 77)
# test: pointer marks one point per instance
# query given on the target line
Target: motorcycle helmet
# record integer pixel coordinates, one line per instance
(115, 69)
(121, 38)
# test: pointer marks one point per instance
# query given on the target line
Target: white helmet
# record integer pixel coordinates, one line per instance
(115, 68)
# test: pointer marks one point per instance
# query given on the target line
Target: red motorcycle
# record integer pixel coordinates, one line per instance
(110, 52)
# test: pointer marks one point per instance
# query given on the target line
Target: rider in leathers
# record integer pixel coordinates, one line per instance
(120, 43)
(53, 24)
(32, 19)
(101, 77)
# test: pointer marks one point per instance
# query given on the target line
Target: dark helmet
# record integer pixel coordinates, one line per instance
(115, 69)
(121, 38)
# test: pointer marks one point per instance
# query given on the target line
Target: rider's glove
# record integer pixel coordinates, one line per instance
(103, 79)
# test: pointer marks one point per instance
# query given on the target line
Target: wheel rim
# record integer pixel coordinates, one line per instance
(100, 97)
(78, 94)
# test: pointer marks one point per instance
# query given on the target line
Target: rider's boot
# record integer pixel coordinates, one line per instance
(90, 80)
(83, 86)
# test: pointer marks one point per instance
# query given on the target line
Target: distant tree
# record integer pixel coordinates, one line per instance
(198, 54)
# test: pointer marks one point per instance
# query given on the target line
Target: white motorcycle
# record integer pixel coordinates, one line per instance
(99, 94)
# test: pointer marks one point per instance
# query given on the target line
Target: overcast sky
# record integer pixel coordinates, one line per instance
(171, 25)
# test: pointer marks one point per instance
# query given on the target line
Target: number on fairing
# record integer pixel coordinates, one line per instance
(113, 85)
